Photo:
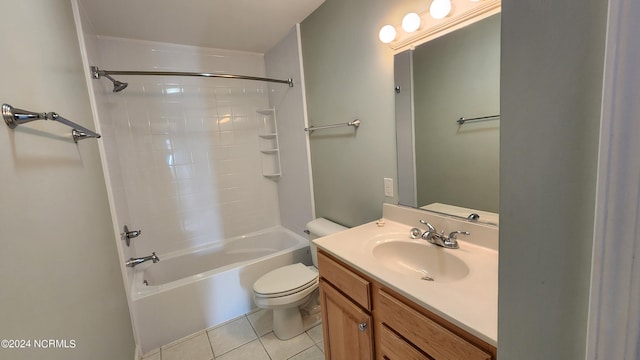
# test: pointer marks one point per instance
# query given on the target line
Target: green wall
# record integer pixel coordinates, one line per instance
(349, 74)
(551, 89)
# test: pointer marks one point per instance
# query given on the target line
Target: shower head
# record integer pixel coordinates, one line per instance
(117, 85)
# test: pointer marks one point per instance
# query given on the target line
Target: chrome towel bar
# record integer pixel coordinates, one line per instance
(14, 117)
(462, 120)
(355, 123)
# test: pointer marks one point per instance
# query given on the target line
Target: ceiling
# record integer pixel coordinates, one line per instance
(247, 25)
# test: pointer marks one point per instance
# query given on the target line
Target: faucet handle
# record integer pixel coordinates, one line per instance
(127, 235)
(430, 227)
(430, 232)
(415, 233)
(454, 234)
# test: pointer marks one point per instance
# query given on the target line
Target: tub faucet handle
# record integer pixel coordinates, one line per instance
(127, 235)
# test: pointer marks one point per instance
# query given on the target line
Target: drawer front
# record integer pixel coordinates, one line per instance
(351, 284)
(393, 347)
(426, 334)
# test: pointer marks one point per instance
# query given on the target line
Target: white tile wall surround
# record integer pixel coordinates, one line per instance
(186, 149)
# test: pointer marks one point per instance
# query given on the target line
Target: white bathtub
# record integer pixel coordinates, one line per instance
(188, 292)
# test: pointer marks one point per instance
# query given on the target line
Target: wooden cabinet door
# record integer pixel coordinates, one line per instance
(347, 328)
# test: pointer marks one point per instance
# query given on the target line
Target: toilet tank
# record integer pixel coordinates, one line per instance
(318, 228)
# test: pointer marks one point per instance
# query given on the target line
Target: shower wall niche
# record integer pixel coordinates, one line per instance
(268, 143)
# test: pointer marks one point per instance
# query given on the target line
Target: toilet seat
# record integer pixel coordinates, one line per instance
(291, 301)
(285, 281)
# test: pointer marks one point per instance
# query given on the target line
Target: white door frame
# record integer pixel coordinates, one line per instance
(614, 307)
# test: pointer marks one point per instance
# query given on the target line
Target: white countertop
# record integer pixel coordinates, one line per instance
(470, 303)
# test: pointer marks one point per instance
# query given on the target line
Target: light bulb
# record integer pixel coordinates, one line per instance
(387, 34)
(440, 8)
(411, 22)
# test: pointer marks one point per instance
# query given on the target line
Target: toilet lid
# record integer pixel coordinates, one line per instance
(285, 280)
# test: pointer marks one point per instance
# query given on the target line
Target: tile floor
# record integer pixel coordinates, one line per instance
(247, 337)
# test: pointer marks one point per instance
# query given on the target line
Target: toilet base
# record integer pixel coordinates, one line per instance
(289, 323)
(293, 321)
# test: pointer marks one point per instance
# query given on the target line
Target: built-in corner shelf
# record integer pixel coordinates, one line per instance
(268, 143)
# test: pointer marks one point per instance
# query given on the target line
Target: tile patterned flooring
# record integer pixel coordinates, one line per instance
(247, 337)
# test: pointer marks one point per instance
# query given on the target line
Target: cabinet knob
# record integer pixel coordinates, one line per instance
(362, 326)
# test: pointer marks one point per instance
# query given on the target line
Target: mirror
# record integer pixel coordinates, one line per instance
(444, 165)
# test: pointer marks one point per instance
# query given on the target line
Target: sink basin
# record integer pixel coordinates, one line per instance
(420, 260)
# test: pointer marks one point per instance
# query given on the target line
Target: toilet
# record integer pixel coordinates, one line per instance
(292, 291)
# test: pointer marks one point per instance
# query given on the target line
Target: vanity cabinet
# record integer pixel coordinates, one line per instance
(403, 330)
(346, 312)
(346, 326)
(401, 325)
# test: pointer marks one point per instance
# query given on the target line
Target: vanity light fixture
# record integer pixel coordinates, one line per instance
(439, 9)
(411, 22)
(441, 17)
(387, 34)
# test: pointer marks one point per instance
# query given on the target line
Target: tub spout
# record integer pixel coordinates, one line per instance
(136, 261)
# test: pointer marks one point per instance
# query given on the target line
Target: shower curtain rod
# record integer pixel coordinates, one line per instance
(97, 73)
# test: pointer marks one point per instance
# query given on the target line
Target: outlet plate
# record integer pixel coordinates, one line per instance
(388, 187)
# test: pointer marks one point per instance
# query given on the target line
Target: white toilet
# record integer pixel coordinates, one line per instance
(292, 291)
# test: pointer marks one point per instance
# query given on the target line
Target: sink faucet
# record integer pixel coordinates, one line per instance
(440, 239)
(136, 261)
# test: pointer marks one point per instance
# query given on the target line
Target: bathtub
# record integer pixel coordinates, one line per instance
(191, 291)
